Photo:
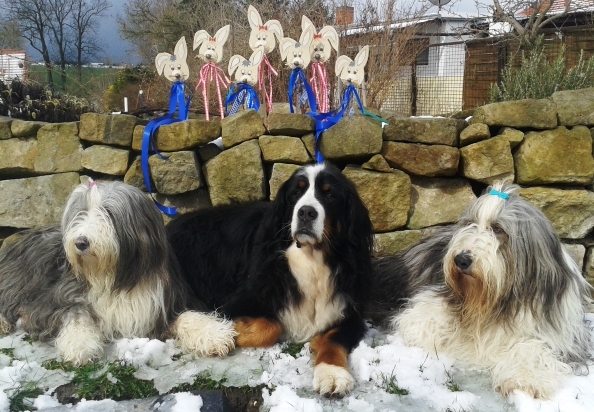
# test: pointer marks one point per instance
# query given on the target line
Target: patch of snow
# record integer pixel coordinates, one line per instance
(45, 401)
(106, 405)
(186, 401)
(284, 399)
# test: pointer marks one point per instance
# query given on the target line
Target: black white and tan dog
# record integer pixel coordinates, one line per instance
(496, 290)
(296, 268)
(107, 272)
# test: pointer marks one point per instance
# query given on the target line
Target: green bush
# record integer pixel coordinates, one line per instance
(537, 78)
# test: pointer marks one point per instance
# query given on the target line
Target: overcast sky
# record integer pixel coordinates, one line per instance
(118, 50)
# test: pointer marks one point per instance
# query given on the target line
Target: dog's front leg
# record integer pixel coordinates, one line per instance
(79, 340)
(331, 350)
(257, 332)
(204, 334)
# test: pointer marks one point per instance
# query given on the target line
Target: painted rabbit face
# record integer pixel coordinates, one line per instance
(211, 48)
(246, 71)
(352, 71)
(174, 66)
(297, 53)
(322, 43)
(263, 35)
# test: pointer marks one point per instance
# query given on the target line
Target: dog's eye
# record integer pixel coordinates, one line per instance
(299, 54)
(243, 72)
(321, 48)
(250, 72)
(294, 54)
(172, 67)
(327, 190)
(354, 71)
(179, 67)
(497, 230)
(259, 38)
(263, 37)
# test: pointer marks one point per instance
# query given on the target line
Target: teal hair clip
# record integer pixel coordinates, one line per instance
(497, 193)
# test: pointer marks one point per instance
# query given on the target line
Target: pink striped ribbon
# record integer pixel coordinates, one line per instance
(208, 73)
(262, 84)
(319, 84)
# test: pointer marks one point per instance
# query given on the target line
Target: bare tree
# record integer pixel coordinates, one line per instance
(57, 14)
(10, 34)
(82, 23)
(31, 17)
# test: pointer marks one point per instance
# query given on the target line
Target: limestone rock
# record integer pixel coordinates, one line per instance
(589, 266)
(25, 128)
(236, 175)
(577, 253)
(281, 172)
(112, 129)
(488, 161)
(528, 113)
(474, 133)
(179, 173)
(208, 151)
(280, 108)
(556, 156)
(106, 159)
(35, 202)
(187, 134)
(377, 163)
(58, 149)
(513, 136)
(352, 138)
(571, 212)
(388, 244)
(309, 140)
(240, 127)
(389, 114)
(422, 160)
(137, 137)
(438, 201)
(18, 155)
(429, 131)
(135, 177)
(575, 107)
(5, 132)
(290, 124)
(388, 207)
(284, 149)
(185, 202)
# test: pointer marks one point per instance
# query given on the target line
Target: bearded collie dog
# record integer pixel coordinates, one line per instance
(496, 290)
(107, 272)
(297, 268)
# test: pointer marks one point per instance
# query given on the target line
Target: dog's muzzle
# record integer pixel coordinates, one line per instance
(82, 245)
(306, 217)
(463, 261)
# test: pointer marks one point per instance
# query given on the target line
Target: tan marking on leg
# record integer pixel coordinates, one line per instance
(328, 352)
(257, 332)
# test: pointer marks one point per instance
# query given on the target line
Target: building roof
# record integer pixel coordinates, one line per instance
(560, 6)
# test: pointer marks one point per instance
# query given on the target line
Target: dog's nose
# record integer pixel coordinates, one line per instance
(317, 56)
(296, 64)
(307, 214)
(81, 243)
(463, 260)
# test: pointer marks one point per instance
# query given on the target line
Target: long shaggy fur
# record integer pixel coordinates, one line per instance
(301, 262)
(496, 290)
(107, 272)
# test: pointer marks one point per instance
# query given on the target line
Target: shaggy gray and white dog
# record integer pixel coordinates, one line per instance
(107, 272)
(496, 290)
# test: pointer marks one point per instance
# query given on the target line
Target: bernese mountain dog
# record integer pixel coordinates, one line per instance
(296, 268)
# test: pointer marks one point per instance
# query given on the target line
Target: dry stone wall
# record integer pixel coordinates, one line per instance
(413, 175)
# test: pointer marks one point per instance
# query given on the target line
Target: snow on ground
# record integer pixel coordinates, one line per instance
(426, 381)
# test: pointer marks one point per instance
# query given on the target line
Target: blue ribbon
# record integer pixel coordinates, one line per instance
(497, 193)
(177, 102)
(239, 94)
(297, 79)
(324, 121)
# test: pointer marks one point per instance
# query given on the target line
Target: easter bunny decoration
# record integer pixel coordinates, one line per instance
(297, 54)
(262, 37)
(246, 76)
(321, 46)
(210, 49)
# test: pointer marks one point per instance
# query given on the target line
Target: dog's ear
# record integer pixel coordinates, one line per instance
(275, 27)
(362, 56)
(285, 46)
(341, 63)
(307, 36)
(360, 228)
(254, 18)
(329, 33)
(181, 49)
(161, 61)
(222, 34)
(256, 57)
(200, 37)
(234, 63)
(306, 22)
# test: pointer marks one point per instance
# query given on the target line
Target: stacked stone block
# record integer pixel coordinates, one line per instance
(414, 174)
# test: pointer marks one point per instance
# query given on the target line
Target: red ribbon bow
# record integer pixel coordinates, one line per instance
(263, 28)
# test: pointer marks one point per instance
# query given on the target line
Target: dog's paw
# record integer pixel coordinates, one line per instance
(204, 334)
(79, 342)
(534, 390)
(331, 380)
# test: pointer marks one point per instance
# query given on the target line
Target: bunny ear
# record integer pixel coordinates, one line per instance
(200, 37)
(307, 36)
(275, 27)
(341, 63)
(305, 22)
(329, 33)
(256, 57)
(161, 60)
(254, 18)
(234, 63)
(362, 56)
(223, 34)
(181, 49)
(285, 45)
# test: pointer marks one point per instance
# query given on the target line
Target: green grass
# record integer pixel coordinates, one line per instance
(390, 385)
(17, 400)
(28, 339)
(94, 81)
(8, 352)
(452, 386)
(293, 348)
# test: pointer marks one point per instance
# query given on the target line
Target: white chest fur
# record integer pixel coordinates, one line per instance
(318, 308)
